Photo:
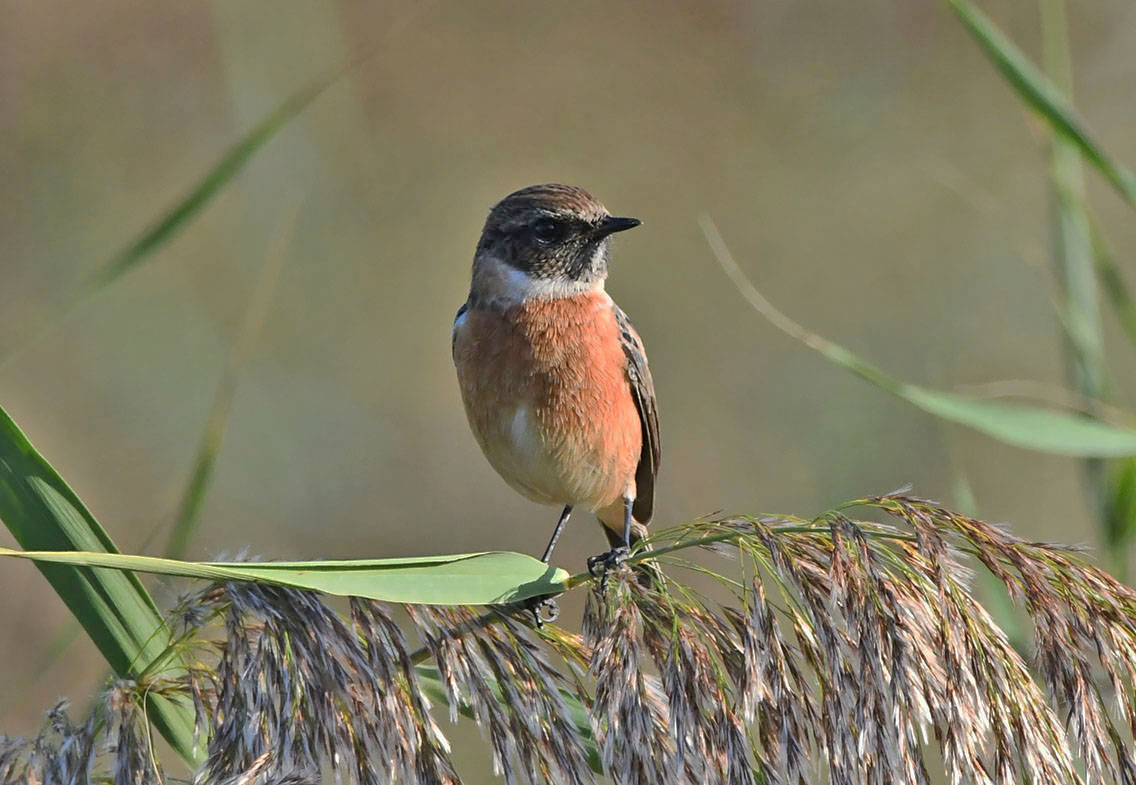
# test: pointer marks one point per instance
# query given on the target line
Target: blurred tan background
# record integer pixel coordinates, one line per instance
(870, 170)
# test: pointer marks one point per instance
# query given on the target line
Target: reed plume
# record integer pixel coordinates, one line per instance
(837, 649)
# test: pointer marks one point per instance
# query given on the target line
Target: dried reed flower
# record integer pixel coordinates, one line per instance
(263, 771)
(1079, 614)
(512, 689)
(297, 688)
(843, 649)
(630, 719)
(62, 753)
(128, 737)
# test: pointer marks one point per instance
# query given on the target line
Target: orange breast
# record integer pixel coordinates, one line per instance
(546, 391)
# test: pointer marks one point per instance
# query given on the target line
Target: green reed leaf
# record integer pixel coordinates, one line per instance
(1042, 95)
(1022, 425)
(163, 228)
(486, 578)
(43, 513)
(1026, 425)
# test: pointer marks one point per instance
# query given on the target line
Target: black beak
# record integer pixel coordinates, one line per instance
(612, 224)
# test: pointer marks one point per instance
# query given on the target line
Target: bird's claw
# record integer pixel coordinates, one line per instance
(544, 610)
(607, 562)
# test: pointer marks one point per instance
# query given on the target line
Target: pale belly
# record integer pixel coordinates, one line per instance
(544, 466)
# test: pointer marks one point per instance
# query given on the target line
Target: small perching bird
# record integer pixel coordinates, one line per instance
(553, 375)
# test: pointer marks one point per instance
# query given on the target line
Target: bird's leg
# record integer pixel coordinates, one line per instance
(556, 533)
(627, 504)
(545, 609)
(617, 555)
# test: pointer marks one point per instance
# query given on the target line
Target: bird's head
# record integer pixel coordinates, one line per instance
(546, 241)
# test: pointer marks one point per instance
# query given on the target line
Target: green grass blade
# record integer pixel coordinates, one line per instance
(1042, 95)
(1072, 247)
(1073, 256)
(488, 578)
(168, 224)
(189, 508)
(43, 513)
(994, 595)
(1120, 509)
(1112, 281)
(1022, 425)
(1120, 516)
(216, 178)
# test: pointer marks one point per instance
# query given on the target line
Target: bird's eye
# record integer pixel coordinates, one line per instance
(547, 230)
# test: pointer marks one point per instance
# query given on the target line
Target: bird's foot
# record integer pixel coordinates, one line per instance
(544, 610)
(606, 562)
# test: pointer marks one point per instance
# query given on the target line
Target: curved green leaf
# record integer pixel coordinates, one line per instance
(43, 513)
(1042, 95)
(1026, 425)
(166, 225)
(488, 578)
(228, 166)
(1022, 425)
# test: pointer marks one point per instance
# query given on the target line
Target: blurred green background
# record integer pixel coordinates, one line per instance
(869, 168)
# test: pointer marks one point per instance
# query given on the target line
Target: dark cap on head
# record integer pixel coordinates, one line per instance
(552, 231)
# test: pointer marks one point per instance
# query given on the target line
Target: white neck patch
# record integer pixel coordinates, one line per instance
(498, 283)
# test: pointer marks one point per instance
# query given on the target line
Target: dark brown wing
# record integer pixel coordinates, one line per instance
(643, 392)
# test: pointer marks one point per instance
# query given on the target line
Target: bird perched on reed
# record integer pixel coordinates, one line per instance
(553, 376)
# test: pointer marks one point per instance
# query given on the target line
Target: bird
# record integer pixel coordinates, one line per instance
(553, 375)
